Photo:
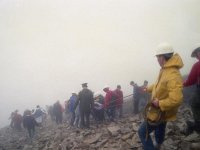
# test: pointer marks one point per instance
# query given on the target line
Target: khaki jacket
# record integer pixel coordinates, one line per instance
(168, 88)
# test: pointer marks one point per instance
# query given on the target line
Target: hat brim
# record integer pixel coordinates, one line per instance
(194, 53)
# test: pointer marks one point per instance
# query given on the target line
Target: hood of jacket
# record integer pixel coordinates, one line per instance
(174, 61)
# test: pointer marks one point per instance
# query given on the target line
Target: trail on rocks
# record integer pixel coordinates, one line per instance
(119, 135)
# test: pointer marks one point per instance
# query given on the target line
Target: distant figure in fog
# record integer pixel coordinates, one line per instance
(86, 103)
(110, 103)
(51, 113)
(29, 123)
(72, 102)
(143, 95)
(58, 110)
(16, 121)
(11, 119)
(98, 110)
(38, 115)
(119, 102)
(136, 96)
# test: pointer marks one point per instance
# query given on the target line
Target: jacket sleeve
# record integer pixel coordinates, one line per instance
(92, 100)
(150, 88)
(175, 95)
(192, 78)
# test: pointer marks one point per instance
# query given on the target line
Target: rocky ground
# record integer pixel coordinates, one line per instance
(119, 135)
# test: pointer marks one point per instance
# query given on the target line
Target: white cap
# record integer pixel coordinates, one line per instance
(96, 94)
(194, 49)
(164, 48)
(106, 87)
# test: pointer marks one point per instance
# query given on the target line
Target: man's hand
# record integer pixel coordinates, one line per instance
(155, 103)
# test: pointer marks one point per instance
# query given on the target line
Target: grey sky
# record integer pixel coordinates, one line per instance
(49, 47)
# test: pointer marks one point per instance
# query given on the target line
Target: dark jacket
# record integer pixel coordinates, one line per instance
(57, 109)
(85, 98)
(29, 122)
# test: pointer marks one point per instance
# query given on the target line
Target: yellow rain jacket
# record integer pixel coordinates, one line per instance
(168, 89)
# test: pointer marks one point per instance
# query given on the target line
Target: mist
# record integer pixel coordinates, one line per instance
(48, 47)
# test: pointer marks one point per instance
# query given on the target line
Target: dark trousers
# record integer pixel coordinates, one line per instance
(98, 115)
(120, 109)
(111, 113)
(31, 132)
(195, 107)
(72, 118)
(85, 120)
(135, 104)
(145, 130)
(58, 118)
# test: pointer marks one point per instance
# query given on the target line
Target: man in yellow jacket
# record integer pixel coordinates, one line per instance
(166, 97)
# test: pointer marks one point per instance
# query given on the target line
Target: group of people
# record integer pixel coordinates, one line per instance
(30, 119)
(162, 106)
(87, 103)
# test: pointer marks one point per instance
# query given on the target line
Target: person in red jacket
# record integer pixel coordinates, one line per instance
(109, 103)
(194, 79)
(119, 101)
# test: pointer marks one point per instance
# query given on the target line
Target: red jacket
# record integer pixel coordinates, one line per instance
(194, 76)
(108, 98)
(119, 95)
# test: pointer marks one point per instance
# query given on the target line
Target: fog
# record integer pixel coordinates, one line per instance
(49, 47)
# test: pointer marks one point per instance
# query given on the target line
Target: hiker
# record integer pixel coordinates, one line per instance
(11, 119)
(86, 103)
(143, 96)
(29, 123)
(51, 113)
(38, 115)
(194, 79)
(166, 97)
(67, 114)
(72, 102)
(98, 111)
(135, 97)
(58, 110)
(119, 101)
(16, 121)
(109, 103)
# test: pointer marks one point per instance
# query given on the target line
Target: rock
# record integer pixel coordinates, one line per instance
(113, 130)
(195, 146)
(127, 136)
(99, 144)
(83, 146)
(185, 145)
(118, 135)
(135, 127)
(192, 138)
(27, 147)
(93, 139)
